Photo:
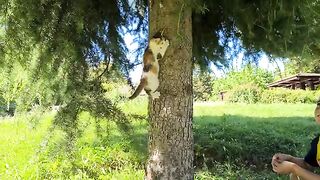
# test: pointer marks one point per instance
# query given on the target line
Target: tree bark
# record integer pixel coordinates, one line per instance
(170, 126)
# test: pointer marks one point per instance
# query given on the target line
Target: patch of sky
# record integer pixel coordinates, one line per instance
(239, 57)
(235, 53)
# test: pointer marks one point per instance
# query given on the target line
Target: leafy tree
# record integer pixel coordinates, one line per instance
(71, 36)
(297, 65)
(202, 85)
(248, 75)
(20, 93)
(11, 85)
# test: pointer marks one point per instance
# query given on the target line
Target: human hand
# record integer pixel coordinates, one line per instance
(279, 157)
(284, 167)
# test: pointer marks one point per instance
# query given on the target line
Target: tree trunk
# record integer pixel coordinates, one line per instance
(170, 126)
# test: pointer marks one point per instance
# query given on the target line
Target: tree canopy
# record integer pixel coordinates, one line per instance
(90, 32)
(62, 45)
(59, 43)
(73, 35)
(279, 28)
(61, 40)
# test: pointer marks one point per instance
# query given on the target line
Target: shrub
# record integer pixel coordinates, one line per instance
(249, 75)
(274, 95)
(282, 95)
(202, 86)
(248, 93)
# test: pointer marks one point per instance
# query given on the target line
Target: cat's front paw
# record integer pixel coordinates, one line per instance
(155, 95)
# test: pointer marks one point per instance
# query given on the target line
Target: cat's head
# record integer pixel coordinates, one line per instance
(159, 46)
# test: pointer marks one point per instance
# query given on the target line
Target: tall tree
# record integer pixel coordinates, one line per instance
(69, 37)
(170, 127)
(304, 64)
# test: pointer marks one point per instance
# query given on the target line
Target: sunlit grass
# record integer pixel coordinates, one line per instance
(232, 141)
(255, 110)
(20, 142)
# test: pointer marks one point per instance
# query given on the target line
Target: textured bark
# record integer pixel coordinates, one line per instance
(170, 126)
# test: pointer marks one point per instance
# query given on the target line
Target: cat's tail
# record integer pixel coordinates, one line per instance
(142, 84)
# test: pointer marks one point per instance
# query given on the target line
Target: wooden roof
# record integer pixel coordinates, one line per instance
(300, 80)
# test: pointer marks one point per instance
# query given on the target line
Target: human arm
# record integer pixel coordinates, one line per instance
(287, 167)
(279, 157)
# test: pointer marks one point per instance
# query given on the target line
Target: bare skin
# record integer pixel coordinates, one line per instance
(296, 167)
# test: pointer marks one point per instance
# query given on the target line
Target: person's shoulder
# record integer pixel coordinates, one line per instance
(316, 138)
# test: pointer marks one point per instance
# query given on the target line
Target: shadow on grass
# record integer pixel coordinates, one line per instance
(249, 141)
(245, 143)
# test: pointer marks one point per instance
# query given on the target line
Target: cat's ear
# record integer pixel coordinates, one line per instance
(159, 34)
(162, 32)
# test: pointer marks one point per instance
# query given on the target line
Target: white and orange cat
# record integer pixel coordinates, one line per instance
(149, 81)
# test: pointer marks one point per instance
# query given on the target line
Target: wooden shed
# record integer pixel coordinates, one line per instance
(299, 81)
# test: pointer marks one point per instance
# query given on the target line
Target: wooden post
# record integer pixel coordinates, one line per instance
(303, 85)
(311, 85)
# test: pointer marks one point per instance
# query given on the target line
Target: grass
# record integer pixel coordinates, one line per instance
(232, 141)
(242, 138)
(20, 141)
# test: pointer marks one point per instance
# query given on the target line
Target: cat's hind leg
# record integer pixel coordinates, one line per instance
(155, 95)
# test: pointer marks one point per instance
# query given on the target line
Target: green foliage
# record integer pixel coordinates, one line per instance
(279, 28)
(21, 137)
(281, 95)
(11, 85)
(59, 41)
(276, 27)
(202, 86)
(20, 92)
(247, 93)
(70, 37)
(58, 44)
(297, 65)
(250, 86)
(249, 75)
(105, 154)
(232, 141)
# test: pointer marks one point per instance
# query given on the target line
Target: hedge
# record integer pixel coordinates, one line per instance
(249, 93)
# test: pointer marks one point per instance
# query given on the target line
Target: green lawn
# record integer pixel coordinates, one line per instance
(20, 141)
(232, 141)
(241, 139)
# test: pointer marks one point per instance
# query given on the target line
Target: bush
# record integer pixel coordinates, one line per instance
(248, 93)
(202, 86)
(274, 95)
(282, 95)
(249, 75)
